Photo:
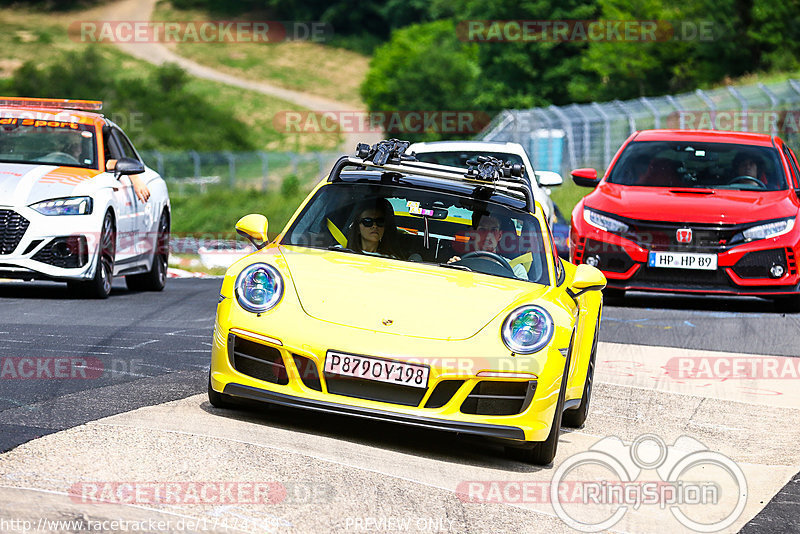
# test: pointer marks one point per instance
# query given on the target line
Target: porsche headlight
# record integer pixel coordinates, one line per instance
(527, 329)
(773, 229)
(64, 206)
(604, 222)
(259, 287)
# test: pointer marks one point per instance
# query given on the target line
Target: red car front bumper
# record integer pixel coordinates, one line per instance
(744, 269)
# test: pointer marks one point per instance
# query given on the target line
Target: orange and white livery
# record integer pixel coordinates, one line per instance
(69, 210)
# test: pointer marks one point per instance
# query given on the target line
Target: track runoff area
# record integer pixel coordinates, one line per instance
(680, 437)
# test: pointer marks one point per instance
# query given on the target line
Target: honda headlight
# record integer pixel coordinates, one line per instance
(259, 287)
(527, 329)
(604, 222)
(64, 206)
(773, 229)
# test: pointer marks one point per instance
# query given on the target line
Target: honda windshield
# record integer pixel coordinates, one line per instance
(700, 165)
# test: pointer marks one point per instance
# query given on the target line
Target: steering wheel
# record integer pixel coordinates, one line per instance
(744, 178)
(60, 157)
(490, 255)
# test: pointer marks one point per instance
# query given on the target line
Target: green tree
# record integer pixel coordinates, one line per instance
(424, 67)
(524, 73)
(700, 44)
(165, 112)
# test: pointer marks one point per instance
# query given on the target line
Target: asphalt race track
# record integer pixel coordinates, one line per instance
(116, 394)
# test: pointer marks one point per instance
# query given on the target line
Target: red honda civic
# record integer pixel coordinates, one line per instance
(694, 211)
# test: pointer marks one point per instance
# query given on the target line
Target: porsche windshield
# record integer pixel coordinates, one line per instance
(699, 165)
(47, 142)
(412, 225)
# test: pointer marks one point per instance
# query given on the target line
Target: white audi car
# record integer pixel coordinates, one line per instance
(456, 154)
(77, 203)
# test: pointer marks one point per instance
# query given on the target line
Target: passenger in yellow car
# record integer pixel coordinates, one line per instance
(373, 229)
(489, 235)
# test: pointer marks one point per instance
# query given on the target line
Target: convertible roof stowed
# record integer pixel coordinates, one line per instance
(485, 172)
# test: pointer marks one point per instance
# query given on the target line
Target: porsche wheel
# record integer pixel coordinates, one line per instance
(543, 452)
(99, 287)
(216, 399)
(156, 278)
(575, 418)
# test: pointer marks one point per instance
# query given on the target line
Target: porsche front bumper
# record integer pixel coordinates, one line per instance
(295, 376)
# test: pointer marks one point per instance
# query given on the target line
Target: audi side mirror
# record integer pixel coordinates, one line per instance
(128, 166)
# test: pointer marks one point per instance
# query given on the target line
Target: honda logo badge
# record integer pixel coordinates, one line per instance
(684, 235)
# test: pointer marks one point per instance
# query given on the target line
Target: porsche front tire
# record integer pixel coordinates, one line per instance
(543, 452)
(216, 399)
(575, 418)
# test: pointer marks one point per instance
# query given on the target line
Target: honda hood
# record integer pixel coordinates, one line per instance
(699, 206)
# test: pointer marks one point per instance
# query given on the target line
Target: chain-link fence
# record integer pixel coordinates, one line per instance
(198, 171)
(588, 135)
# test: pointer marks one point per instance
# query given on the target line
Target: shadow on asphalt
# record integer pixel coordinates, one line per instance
(49, 291)
(674, 301)
(436, 445)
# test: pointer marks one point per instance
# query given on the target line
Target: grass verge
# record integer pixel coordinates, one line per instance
(304, 66)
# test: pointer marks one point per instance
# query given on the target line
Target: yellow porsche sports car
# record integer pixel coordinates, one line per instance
(414, 293)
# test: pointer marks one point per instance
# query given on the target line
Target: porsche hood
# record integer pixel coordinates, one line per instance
(414, 299)
(25, 184)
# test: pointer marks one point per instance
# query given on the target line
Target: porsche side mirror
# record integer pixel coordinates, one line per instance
(128, 166)
(548, 178)
(585, 177)
(587, 278)
(254, 228)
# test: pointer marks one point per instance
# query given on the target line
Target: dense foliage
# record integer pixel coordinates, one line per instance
(698, 44)
(159, 112)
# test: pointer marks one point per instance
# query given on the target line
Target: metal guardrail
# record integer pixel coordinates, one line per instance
(560, 138)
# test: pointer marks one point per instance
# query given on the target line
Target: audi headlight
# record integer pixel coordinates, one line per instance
(773, 229)
(259, 287)
(527, 329)
(64, 206)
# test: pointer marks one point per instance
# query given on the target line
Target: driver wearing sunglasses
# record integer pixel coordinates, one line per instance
(373, 229)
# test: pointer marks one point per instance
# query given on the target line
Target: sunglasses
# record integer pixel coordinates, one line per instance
(367, 222)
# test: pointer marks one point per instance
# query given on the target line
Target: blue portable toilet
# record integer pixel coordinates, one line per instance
(546, 149)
